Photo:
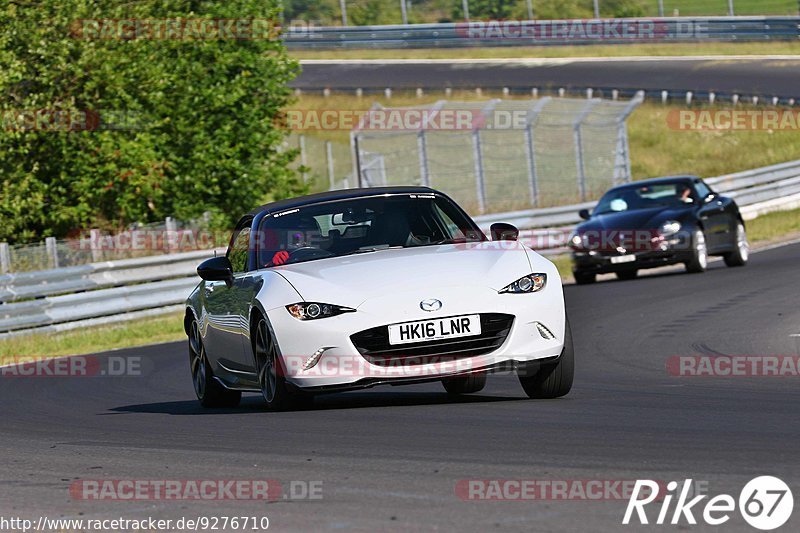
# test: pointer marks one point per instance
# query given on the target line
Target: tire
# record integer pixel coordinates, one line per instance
(465, 385)
(699, 261)
(552, 380)
(739, 256)
(208, 390)
(271, 372)
(627, 274)
(584, 278)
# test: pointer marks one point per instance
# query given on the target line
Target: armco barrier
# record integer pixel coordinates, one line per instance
(545, 32)
(757, 192)
(39, 301)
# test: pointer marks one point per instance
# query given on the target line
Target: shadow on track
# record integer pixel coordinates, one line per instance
(324, 402)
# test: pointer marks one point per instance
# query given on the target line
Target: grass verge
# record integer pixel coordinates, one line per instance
(150, 330)
(504, 52)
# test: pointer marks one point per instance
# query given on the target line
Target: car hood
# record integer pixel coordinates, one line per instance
(638, 219)
(353, 279)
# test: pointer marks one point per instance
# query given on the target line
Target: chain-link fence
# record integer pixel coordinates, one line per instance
(92, 246)
(324, 164)
(499, 155)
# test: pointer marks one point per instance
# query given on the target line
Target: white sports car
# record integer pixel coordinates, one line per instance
(355, 288)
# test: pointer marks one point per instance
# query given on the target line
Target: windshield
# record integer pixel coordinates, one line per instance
(361, 225)
(645, 197)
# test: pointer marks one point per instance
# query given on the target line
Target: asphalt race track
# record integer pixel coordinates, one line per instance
(390, 458)
(767, 77)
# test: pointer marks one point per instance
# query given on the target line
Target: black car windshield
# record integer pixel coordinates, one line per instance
(632, 198)
(361, 225)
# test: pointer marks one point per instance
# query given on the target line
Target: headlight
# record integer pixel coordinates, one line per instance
(670, 227)
(576, 240)
(313, 310)
(529, 283)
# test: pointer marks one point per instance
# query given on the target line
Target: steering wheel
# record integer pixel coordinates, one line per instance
(305, 253)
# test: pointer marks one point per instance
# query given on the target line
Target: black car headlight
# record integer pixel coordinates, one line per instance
(314, 310)
(529, 283)
(577, 240)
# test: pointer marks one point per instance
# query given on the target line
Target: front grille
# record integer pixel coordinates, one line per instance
(374, 345)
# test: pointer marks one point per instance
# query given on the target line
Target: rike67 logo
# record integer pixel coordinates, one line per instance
(766, 503)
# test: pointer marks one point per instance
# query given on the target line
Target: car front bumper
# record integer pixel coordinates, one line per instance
(674, 251)
(340, 365)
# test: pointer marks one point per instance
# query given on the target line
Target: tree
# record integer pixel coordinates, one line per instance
(160, 126)
(485, 9)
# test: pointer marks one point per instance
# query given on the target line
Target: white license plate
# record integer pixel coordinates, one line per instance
(435, 329)
(623, 259)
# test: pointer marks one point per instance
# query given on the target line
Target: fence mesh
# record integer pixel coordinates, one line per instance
(517, 154)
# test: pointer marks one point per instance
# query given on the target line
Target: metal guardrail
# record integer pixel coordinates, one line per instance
(756, 191)
(546, 32)
(30, 301)
(47, 300)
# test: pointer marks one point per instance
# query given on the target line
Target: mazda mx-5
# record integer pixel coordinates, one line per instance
(350, 289)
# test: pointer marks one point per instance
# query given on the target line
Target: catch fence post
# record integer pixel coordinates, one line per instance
(5, 258)
(52, 252)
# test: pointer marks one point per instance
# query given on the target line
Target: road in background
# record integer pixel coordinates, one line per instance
(778, 76)
(390, 458)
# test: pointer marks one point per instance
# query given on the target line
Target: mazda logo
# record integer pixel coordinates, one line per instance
(431, 304)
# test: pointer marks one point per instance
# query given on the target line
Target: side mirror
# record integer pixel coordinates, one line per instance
(504, 232)
(709, 198)
(584, 214)
(216, 269)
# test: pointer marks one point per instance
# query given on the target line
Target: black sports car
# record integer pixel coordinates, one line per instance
(657, 222)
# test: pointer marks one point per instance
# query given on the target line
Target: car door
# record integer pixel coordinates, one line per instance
(229, 305)
(713, 214)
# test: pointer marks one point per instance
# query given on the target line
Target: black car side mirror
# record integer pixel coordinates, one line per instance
(216, 269)
(504, 232)
(584, 214)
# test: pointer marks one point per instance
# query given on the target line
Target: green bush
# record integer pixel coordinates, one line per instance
(198, 117)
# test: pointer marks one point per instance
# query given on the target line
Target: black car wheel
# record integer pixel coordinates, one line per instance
(465, 385)
(741, 254)
(551, 380)
(627, 274)
(699, 259)
(271, 373)
(584, 278)
(208, 390)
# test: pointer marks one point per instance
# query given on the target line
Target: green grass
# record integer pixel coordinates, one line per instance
(774, 226)
(150, 330)
(658, 150)
(655, 49)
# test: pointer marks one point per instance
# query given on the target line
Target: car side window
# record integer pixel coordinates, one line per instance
(702, 189)
(238, 253)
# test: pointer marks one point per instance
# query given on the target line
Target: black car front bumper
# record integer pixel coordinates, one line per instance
(672, 252)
